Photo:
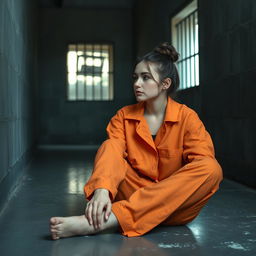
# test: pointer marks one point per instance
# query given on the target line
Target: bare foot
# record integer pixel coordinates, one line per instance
(78, 225)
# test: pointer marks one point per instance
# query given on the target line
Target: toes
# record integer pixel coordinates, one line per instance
(54, 221)
(55, 234)
(55, 227)
(55, 237)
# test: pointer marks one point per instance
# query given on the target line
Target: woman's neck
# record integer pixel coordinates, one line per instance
(156, 106)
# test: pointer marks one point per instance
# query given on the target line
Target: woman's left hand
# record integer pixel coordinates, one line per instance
(95, 207)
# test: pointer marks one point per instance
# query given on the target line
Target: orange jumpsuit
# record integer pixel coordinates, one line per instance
(166, 181)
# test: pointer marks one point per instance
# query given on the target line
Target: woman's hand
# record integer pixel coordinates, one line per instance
(95, 207)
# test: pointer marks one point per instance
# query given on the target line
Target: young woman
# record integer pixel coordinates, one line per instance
(157, 166)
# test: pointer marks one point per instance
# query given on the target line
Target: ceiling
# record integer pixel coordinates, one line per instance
(87, 3)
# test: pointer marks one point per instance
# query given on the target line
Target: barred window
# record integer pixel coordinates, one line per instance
(90, 72)
(185, 40)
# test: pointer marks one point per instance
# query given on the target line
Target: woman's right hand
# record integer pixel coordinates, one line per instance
(96, 206)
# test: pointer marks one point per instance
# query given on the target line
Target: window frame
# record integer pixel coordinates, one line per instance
(112, 44)
(191, 61)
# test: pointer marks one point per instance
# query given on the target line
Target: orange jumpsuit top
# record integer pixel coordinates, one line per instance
(182, 138)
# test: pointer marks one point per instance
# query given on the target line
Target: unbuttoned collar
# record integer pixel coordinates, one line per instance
(171, 114)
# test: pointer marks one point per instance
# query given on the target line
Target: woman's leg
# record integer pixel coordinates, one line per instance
(175, 200)
(142, 204)
(78, 225)
(102, 177)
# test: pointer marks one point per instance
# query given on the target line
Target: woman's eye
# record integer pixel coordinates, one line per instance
(146, 77)
(134, 78)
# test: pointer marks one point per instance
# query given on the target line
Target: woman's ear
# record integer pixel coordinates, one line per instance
(167, 83)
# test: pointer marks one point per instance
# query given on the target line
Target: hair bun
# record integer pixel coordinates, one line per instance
(167, 49)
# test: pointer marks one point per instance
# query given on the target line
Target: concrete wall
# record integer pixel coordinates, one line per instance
(224, 100)
(83, 122)
(18, 42)
(228, 75)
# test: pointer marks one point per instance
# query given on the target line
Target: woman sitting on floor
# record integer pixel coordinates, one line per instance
(157, 166)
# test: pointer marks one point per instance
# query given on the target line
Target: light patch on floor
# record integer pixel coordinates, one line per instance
(235, 246)
(175, 245)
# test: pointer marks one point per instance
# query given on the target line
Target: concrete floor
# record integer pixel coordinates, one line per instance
(53, 186)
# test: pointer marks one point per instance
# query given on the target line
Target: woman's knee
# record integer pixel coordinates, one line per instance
(213, 170)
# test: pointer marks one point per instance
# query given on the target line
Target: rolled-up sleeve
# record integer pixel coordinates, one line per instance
(110, 164)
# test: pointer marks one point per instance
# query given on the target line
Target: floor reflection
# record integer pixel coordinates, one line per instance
(162, 241)
(77, 178)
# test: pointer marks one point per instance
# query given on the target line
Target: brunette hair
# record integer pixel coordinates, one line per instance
(165, 55)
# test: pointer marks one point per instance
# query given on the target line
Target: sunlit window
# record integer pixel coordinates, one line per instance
(90, 72)
(185, 40)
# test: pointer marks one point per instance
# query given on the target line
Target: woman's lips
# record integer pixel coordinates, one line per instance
(138, 93)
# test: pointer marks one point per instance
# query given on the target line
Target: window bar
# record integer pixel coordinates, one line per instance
(193, 48)
(181, 77)
(86, 78)
(196, 32)
(194, 39)
(187, 45)
(93, 89)
(112, 72)
(184, 57)
(197, 55)
(190, 66)
(67, 68)
(76, 71)
(186, 71)
(84, 73)
(193, 52)
(188, 52)
(179, 48)
(101, 89)
(109, 72)
(183, 66)
(178, 44)
(189, 49)
(180, 63)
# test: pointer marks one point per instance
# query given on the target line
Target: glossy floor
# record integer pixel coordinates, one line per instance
(53, 186)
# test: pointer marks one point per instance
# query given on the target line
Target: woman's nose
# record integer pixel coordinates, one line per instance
(137, 84)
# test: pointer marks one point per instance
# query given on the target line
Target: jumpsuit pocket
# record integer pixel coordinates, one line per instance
(170, 153)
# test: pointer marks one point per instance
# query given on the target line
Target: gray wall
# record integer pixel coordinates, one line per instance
(228, 75)
(224, 100)
(83, 122)
(18, 42)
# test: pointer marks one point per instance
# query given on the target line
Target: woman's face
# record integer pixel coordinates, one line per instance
(145, 85)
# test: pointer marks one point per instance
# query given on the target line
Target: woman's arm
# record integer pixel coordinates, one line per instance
(109, 170)
(109, 165)
(197, 141)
